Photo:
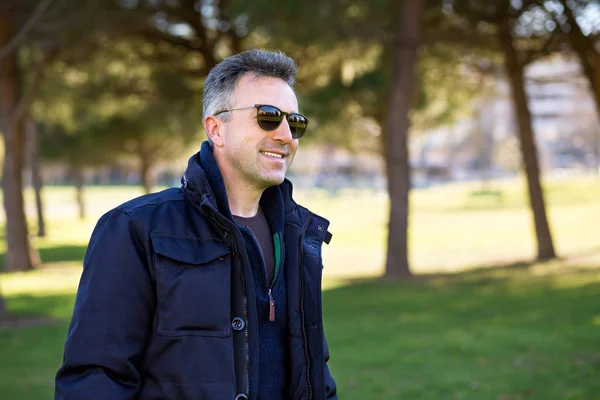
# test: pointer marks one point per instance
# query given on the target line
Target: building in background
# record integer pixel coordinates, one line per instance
(486, 145)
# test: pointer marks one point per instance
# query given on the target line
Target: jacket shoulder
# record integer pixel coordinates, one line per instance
(317, 225)
(167, 212)
(170, 195)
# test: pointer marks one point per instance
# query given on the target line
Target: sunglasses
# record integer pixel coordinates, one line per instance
(270, 117)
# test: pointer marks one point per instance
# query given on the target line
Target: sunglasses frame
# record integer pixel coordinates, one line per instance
(282, 114)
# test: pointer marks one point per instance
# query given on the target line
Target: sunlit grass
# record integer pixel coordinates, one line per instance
(60, 278)
(452, 227)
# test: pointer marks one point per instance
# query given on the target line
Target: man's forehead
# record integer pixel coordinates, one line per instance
(253, 78)
(265, 90)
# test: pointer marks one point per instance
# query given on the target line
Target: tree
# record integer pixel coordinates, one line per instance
(497, 23)
(28, 26)
(165, 33)
(397, 126)
(33, 156)
(75, 151)
(207, 30)
(179, 42)
(120, 105)
(32, 34)
(515, 70)
(20, 255)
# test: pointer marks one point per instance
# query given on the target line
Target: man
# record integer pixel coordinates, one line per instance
(210, 291)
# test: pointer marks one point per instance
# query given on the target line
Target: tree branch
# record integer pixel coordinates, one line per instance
(27, 26)
(531, 56)
(236, 40)
(586, 42)
(186, 13)
(458, 37)
(206, 45)
(30, 93)
(177, 41)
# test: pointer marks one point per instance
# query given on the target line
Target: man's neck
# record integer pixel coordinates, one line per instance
(243, 199)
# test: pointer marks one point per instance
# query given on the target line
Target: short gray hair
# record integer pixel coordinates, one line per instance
(221, 82)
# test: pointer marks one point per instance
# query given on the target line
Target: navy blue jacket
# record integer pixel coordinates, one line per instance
(162, 310)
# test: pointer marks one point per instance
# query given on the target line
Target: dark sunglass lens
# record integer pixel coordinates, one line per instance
(269, 117)
(298, 124)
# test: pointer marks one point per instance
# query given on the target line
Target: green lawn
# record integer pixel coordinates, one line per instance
(505, 334)
(473, 336)
(527, 331)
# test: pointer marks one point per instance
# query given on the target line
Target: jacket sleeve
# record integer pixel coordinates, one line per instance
(330, 386)
(112, 318)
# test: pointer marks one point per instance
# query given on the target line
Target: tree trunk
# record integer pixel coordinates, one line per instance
(146, 172)
(597, 151)
(515, 70)
(36, 175)
(78, 182)
(408, 37)
(596, 87)
(20, 256)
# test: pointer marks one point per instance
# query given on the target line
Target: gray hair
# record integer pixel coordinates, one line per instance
(221, 82)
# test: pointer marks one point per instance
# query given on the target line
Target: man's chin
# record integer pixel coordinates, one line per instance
(273, 181)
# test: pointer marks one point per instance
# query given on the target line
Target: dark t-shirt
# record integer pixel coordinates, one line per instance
(260, 229)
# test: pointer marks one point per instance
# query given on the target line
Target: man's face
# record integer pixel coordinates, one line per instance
(245, 145)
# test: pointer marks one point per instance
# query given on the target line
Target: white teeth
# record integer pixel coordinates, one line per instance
(266, 153)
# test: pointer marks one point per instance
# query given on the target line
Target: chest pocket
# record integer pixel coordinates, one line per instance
(193, 286)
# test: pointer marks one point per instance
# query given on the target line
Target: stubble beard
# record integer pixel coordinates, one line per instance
(255, 177)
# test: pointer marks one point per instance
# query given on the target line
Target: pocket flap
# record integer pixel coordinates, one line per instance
(189, 250)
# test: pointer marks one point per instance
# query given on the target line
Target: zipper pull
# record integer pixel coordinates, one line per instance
(271, 307)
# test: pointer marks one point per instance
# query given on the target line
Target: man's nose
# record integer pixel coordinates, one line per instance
(283, 133)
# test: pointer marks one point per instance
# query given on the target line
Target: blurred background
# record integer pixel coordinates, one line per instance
(453, 144)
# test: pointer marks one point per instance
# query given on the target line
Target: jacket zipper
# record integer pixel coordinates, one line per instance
(236, 251)
(302, 312)
(271, 299)
(271, 306)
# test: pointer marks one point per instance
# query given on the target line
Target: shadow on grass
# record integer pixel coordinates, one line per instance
(577, 264)
(491, 334)
(63, 253)
(54, 254)
(55, 306)
(480, 293)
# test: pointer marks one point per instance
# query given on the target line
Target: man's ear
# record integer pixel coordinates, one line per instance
(214, 130)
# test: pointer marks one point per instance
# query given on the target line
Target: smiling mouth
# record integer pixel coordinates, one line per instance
(272, 155)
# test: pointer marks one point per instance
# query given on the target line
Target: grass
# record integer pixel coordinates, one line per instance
(452, 228)
(31, 355)
(526, 331)
(468, 337)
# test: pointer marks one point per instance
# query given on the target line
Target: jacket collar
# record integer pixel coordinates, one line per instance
(203, 185)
